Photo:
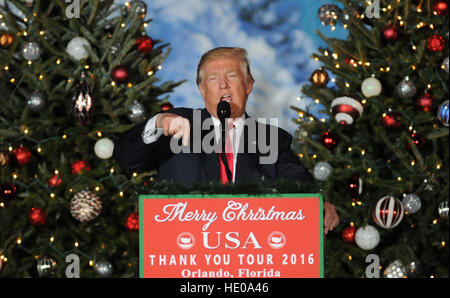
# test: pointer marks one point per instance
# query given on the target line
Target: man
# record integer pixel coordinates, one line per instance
(223, 74)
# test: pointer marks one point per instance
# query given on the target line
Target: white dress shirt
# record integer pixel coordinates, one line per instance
(152, 133)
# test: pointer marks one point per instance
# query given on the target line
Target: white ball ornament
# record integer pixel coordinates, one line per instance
(367, 237)
(76, 48)
(104, 148)
(371, 87)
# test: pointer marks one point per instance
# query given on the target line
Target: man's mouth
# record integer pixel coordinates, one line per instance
(226, 97)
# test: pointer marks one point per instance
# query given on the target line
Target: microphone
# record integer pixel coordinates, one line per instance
(224, 112)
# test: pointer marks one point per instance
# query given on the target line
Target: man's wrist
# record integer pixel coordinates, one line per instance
(151, 132)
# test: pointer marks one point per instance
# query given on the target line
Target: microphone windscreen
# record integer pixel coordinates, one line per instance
(223, 110)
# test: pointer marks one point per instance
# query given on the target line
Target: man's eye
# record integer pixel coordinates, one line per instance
(212, 78)
(232, 75)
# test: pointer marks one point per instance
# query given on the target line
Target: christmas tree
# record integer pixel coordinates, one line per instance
(375, 135)
(74, 76)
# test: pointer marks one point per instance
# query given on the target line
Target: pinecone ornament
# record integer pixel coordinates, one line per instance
(85, 206)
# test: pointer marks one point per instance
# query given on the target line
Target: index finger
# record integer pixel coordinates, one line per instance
(186, 132)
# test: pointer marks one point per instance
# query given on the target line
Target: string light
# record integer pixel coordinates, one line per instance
(76, 244)
(19, 241)
(52, 239)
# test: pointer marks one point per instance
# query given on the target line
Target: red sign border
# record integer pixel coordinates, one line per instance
(225, 196)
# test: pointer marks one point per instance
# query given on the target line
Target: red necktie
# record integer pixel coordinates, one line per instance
(229, 155)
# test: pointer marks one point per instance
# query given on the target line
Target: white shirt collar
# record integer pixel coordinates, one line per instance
(238, 122)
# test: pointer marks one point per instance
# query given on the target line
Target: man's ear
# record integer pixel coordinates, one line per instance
(249, 87)
(202, 89)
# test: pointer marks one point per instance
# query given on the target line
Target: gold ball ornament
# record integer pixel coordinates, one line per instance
(319, 78)
(4, 159)
(6, 39)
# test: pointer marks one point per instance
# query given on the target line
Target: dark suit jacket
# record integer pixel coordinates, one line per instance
(133, 155)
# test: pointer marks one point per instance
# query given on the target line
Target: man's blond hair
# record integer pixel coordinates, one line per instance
(224, 52)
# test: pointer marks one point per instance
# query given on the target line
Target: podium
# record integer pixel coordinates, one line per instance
(231, 236)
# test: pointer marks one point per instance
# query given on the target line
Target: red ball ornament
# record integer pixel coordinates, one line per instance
(132, 222)
(390, 33)
(144, 44)
(166, 107)
(37, 216)
(440, 7)
(388, 212)
(22, 155)
(120, 74)
(54, 180)
(425, 102)
(328, 140)
(7, 191)
(80, 166)
(390, 121)
(348, 235)
(435, 43)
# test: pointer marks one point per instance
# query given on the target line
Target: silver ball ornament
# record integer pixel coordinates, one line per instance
(322, 170)
(103, 268)
(139, 6)
(36, 101)
(406, 88)
(412, 203)
(395, 270)
(329, 14)
(46, 267)
(137, 112)
(443, 209)
(445, 64)
(31, 51)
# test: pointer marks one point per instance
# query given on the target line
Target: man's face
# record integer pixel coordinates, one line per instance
(223, 79)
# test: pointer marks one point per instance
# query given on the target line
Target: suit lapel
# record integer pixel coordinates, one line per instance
(211, 162)
(246, 161)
